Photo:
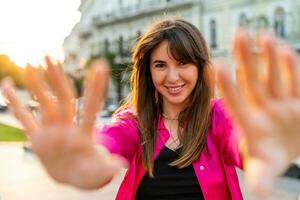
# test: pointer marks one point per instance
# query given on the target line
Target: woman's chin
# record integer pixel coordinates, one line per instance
(176, 100)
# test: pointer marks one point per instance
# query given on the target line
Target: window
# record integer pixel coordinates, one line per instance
(138, 35)
(243, 20)
(121, 45)
(106, 46)
(213, 34)
(279, 25)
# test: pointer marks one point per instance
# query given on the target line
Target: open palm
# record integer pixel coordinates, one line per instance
(266, 108)
(64, 145)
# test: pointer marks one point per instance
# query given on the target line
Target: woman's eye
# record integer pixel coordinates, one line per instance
(159, 65)
(182, 63)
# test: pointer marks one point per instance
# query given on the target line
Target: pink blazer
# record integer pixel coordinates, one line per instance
(215, 169)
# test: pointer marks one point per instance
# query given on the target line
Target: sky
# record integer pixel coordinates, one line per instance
(31, 29)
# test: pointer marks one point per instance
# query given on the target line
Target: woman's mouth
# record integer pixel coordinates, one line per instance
(175, 89)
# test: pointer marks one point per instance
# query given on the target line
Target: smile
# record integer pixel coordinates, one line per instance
(175, 89)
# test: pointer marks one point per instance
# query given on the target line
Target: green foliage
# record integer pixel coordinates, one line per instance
(117, 70)
(78, 83)
(111, 58)
(8, 133)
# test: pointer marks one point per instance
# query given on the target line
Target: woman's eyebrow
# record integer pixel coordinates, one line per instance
(158, 61)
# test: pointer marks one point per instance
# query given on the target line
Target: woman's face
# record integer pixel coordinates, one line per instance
(174, 80)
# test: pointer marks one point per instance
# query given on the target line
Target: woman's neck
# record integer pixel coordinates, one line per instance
(171, 111)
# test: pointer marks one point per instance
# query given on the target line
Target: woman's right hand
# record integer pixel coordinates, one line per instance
(66, 148)
(265, 106)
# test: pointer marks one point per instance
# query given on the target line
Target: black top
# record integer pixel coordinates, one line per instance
(169, 182)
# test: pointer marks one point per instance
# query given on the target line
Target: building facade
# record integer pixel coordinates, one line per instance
(113, 26)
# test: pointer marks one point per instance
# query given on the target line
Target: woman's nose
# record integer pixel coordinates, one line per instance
(172, 75)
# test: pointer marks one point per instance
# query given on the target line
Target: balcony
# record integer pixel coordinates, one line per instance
(85, 31)
(139, 10)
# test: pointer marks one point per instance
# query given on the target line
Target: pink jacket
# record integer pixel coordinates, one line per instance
(215, 169)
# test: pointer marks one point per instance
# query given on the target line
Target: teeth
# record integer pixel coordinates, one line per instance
(174, 89)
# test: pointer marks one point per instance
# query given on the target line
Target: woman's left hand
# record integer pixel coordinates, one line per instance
(265, 104)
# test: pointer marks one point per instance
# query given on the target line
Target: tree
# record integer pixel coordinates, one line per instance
(117, 71)
(9, 69)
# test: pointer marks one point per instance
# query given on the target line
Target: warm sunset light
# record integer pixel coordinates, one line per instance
(33, 28)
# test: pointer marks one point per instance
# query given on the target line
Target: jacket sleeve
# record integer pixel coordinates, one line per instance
(121, 136)
(225, 135)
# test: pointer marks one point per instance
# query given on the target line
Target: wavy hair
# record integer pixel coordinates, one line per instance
(185, 43)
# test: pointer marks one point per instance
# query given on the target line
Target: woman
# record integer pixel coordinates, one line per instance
(171, 94)
(177, 142)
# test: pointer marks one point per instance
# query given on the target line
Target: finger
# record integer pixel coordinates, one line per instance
(288, 58)
(62, 88)
(19, 110)
(102, 64)
(37, 87)
(240, 79)
(247, 61)
(269, 47)
(234, 100)
(94, 97)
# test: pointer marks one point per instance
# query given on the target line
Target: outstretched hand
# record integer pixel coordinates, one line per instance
(265, 104)
(66, 148)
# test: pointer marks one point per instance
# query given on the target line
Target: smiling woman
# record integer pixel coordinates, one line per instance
(174, 79)
(258, 130)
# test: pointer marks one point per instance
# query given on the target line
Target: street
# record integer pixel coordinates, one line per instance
(23, 177)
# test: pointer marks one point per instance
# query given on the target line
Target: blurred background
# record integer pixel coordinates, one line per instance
(110, 28)
(77, 32)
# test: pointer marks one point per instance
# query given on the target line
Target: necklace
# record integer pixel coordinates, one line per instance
(174, 142)
(169, 118)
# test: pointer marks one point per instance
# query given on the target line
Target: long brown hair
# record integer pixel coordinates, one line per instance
(185, 43)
